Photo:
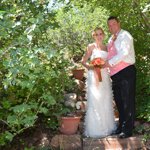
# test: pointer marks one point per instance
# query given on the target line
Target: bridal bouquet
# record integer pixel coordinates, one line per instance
(97, 63)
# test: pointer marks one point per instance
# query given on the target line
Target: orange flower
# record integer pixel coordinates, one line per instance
(97, 63)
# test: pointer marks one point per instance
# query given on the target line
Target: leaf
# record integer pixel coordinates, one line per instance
(49, 99)
(9, 136)
(43, 110)
(6, 104)
(21, 108)
(12, 120)
(29, 121)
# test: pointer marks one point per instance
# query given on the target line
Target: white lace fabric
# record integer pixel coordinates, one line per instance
(99, 118)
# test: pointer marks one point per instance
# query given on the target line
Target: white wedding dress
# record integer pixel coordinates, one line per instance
(99, 118)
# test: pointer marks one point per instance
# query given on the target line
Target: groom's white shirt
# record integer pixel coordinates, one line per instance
(125, 48)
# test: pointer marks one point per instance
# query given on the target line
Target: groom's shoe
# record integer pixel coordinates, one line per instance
(123, 135)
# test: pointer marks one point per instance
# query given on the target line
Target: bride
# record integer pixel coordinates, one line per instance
(99, 118)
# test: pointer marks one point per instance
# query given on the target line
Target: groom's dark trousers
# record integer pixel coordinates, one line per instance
(123, 84)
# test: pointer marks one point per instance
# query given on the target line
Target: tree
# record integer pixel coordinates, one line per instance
(75, 26)
(33, 77)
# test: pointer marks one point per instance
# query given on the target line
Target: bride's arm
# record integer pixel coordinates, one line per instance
(86, 57)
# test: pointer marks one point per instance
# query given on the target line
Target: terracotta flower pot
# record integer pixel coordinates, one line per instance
(78, 73)
(69, 125)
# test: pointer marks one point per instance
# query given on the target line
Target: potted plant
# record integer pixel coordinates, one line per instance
(78, 71)
(70, 117)
(69, 124)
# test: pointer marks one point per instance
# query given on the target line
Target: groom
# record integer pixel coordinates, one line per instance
(121, 60)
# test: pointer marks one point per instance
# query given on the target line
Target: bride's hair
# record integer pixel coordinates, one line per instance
(96, 29)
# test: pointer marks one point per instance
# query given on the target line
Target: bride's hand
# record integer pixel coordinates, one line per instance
(90, 67)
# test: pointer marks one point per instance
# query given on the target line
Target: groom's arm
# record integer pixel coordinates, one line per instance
(123, 49)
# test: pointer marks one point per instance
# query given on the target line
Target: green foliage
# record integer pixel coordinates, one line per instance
(143, 130)
(38, 85)
(75, 27)
(33, 73)
(146, 137)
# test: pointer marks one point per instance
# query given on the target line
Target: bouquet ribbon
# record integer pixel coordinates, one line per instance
(97, 63)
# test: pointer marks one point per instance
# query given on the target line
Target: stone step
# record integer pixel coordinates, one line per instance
(76, 142)
(66, 142)
(113, 143)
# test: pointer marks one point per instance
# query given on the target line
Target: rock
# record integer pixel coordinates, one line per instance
(71, 96)
(70, 103)
(80, 84)
(70, 99)
(81, 105)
